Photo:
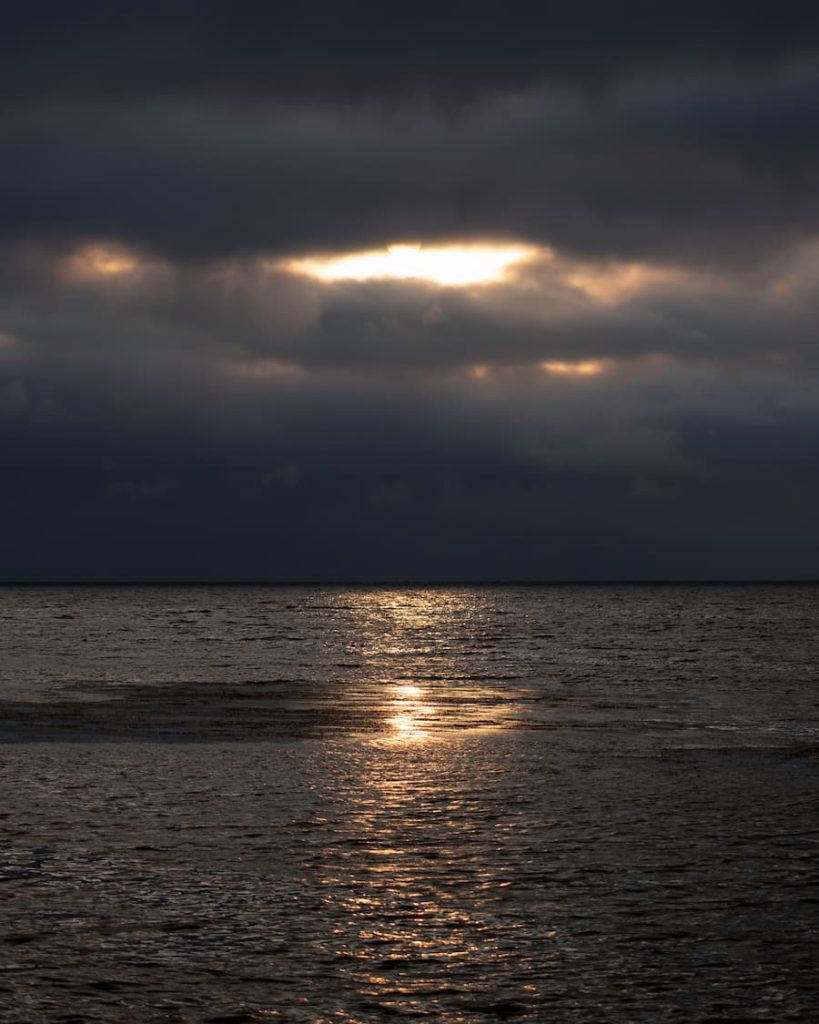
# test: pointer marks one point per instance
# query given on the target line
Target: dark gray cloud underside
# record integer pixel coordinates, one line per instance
(677, 168)
(328, 51)
(203, 415)
(390, 501)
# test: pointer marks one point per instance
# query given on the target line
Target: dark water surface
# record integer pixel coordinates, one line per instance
(464, 804)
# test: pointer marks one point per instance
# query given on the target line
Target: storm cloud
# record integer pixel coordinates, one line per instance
(636, 396)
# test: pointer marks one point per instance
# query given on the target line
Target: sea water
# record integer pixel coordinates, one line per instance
(454, 804)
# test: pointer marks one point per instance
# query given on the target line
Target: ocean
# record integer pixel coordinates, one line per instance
(383, 803)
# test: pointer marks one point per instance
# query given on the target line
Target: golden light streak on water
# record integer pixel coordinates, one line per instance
(408, 690)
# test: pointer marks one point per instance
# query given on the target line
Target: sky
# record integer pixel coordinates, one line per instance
(451, 291)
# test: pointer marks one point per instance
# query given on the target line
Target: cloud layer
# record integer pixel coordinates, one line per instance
(636, 398)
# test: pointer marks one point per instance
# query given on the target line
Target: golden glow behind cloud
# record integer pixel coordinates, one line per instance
(93, 262)
(562, 278)
(540, 280)
(612, 283)
(534, 284)
(579, 368)
(444, 265)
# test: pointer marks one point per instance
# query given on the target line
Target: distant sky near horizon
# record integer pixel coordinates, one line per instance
(426, 291)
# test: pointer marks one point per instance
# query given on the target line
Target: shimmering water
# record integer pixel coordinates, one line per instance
(449, 804)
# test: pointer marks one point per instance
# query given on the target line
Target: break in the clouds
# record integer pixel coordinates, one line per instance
(456, 294)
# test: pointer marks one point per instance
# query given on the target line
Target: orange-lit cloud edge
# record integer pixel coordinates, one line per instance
(453, 265)
(524, 281)
(99, 262)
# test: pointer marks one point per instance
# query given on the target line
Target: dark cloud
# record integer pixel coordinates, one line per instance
(329, 51)
(408, 481)
(150, 438)
(674, 167)
(250, 317)
(639, 399)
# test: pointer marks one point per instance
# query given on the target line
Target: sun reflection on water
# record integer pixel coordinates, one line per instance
(417, 893)
(410, 713)
(428, 670)
(418, 883)
(408, 690)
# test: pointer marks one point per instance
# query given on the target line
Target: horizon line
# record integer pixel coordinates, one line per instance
(421, 582)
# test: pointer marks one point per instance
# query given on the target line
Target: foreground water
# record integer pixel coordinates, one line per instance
(367, 804)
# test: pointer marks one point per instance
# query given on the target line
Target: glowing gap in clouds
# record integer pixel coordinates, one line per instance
(100, 261)
(582, 368)
(446, 265)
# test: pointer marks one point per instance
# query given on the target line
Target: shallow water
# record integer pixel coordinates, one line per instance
(366, 804)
